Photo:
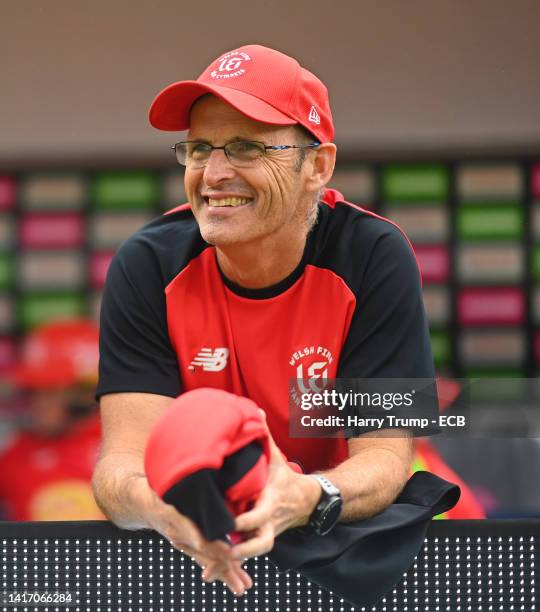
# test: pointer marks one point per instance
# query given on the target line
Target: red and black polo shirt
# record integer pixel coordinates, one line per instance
(172, 322)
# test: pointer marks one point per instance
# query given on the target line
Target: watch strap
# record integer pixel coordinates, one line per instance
(330, 497)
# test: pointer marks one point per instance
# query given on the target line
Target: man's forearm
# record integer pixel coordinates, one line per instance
(122, 491)
(369, 481)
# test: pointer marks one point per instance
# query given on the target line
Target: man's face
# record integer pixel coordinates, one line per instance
(51, 409)
(272, 198)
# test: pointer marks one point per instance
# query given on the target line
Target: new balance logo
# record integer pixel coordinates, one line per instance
(210, 361)
(314, 116)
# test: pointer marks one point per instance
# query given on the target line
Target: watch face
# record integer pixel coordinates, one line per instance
(330, 516)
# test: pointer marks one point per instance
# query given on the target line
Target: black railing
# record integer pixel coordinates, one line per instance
(464, 566)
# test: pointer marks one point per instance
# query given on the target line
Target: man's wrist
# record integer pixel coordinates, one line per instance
(311, 495)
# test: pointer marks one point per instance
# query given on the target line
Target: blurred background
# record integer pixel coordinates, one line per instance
(437, 113)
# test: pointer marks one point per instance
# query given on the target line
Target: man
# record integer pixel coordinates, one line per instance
(254, 282)
(46, 467)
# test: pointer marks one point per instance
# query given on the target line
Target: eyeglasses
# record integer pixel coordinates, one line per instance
(241, 154)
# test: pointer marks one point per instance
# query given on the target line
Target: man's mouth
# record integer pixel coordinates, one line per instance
(223, 202)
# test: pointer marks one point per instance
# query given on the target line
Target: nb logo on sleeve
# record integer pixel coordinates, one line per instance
(210, 360)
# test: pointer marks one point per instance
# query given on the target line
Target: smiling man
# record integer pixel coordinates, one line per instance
(252, 198)
(265, 275)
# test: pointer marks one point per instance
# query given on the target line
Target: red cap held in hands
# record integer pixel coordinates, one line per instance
(208, 456)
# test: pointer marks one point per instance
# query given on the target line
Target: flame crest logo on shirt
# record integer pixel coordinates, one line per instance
(311, 367)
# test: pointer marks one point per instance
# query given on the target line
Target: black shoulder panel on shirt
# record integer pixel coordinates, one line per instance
(388, 337)
(136, 354)
(347, 238)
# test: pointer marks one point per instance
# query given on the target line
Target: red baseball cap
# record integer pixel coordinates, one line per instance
(208, 456)
(199, 429)
(59, 354)
(262, 83)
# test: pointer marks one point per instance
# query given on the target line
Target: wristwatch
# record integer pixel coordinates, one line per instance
(328, 509)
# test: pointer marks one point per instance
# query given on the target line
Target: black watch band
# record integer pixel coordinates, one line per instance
(328, 509)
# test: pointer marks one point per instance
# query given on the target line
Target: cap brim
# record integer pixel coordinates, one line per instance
(171, 107)
(26, 377)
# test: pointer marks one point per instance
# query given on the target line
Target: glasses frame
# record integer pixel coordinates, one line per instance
(223, 148)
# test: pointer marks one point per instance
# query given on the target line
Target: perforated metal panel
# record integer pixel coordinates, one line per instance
(464, 566)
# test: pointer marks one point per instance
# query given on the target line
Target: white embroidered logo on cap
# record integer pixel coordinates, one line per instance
(314, 116)
(230, 65)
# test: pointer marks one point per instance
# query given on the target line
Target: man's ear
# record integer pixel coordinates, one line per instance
(322, 165)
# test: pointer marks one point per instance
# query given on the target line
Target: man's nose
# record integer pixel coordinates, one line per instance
(218, 168)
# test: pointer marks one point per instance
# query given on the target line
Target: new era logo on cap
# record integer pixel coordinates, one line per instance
(314, 116)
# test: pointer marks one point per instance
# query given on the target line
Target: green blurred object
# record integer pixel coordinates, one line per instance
(490, 222)
(6, 271)
(536, 262)
(37, 308)
(126, 190)
(497, 385)
(416, 183)
(440, 345)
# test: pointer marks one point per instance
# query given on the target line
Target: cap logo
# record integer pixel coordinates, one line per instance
(230, 65)
(314, 116)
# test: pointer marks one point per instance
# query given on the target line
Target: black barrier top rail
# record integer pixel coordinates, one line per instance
(88, 529)
(464, 566)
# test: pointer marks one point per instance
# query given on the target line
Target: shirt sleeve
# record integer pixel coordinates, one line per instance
(389, 336)
(136, 354)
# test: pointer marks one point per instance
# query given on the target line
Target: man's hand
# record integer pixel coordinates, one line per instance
(124, 495)
(216, 556)
(287, 501)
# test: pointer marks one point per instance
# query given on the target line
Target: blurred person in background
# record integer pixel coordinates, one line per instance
(46, 464)
(426, 457)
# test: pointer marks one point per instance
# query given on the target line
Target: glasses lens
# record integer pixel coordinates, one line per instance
(244, 152)
(192, 153)
(180, 151)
